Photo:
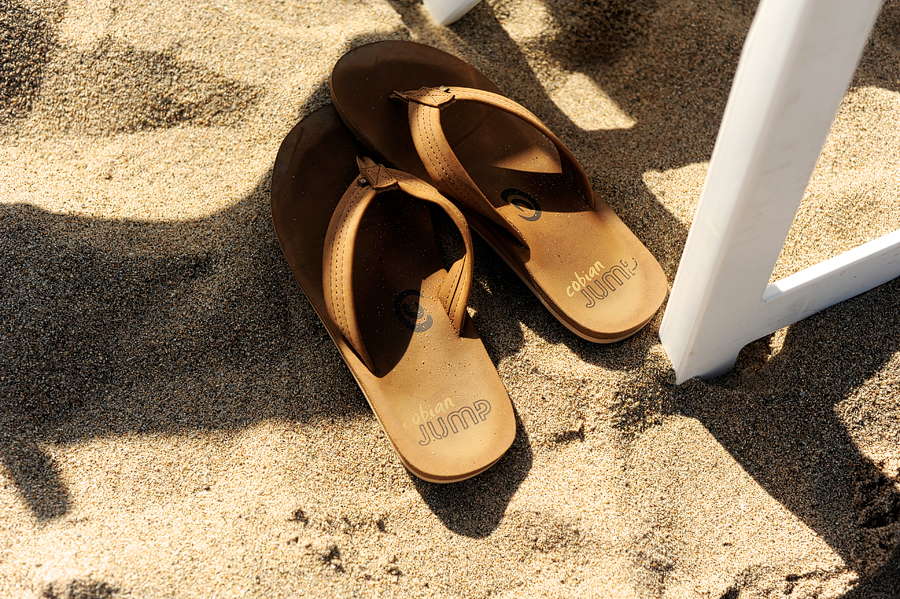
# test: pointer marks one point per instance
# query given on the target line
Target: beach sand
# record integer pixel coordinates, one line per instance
(176, 422)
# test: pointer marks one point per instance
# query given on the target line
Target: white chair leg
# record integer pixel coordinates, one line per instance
(797, 61)
(449, 11)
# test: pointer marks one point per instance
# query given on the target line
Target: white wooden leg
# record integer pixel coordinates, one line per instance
(448, 11)
(797, 61)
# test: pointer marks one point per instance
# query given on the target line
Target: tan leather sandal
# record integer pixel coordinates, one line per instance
(431, 114)
(360, 241)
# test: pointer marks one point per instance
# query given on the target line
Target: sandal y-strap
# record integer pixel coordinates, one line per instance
(337, 265)
(443, 166)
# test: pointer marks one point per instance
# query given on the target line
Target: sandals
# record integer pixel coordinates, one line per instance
(430, 114)
(360, 241)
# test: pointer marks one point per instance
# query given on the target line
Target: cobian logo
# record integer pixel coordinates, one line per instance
(526, 204)
(598, 282)
(410, 313)
(441, 421)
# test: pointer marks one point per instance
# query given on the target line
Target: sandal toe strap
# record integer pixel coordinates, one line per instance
(340, 242)
(425, 105)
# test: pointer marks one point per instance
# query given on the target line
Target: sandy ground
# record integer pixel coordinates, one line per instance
(175, 421)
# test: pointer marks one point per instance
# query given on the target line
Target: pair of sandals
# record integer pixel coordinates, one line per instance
(412, 129)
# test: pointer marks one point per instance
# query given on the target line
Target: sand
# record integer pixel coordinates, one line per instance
(175, 421)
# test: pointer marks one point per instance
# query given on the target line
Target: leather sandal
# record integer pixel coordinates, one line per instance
(431, 114)
(359, 238)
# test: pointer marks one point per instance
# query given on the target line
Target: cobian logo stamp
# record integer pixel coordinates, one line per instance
(526, 204)
(598, 282)
(444, 420)
(410, 313)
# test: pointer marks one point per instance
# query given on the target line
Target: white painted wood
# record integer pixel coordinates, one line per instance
(446, 12)
(797, 61)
